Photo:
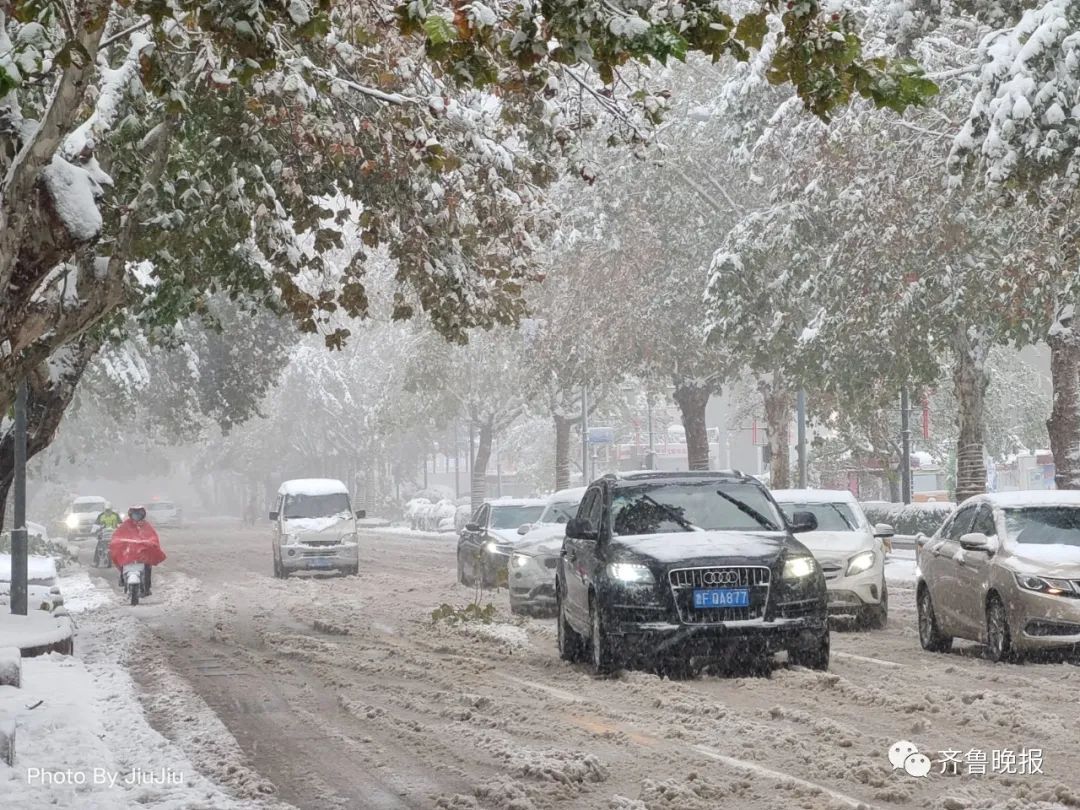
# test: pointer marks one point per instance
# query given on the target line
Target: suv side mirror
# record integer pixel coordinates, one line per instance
(472, 527)
(803, 522)
(273, 515)
(578, 529)
(361, 514)
(977, 541)
(884, 530)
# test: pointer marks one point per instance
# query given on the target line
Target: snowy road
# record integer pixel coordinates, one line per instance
(341, 693)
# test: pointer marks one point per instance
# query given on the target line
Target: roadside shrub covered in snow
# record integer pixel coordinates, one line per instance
(910, 518)
(41, 546)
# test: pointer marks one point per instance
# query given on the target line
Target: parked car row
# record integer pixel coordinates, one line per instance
(670, 571)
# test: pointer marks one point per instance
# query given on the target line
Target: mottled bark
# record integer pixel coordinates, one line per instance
(562, 451)
(779, 402)
(1063, 425)
(692, 401)
(480, 463)
(970, 381)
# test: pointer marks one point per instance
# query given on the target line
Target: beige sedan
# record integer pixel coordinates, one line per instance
(1004, 570)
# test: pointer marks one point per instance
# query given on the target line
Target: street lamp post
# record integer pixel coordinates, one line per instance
(18, 532)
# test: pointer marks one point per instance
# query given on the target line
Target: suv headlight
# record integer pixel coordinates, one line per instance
(520, 560)
(1053, 587)
(72, 521)
(799, 567)
(862, 561)
(630, 573)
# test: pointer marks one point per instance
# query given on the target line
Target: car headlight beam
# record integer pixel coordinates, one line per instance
(72, 521)
(799, 567)
(520, 560)
(630, 573)
(862, 561)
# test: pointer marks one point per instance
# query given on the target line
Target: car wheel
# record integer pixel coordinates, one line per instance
(571, 645)
(814, 655)
(999, 645)
(930, 636)
(876, 617)
(602, 658)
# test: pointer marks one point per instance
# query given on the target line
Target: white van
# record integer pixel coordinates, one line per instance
(314, 528)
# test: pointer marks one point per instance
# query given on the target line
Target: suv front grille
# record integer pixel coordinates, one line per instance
(684, 581)
(832, 570)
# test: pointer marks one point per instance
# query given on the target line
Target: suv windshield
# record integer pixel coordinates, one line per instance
(559, 512)
(510, 517)
(657, 508)
(831, 517)
(316, 506)
(88, 506)
(159, 506)
(1044, 525)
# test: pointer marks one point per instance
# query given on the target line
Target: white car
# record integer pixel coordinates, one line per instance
(850, 551)
(80, 519)
(314, 528)
(536, 556)
(164, 513)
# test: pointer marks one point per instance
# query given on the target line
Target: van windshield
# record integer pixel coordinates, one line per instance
(316, 506)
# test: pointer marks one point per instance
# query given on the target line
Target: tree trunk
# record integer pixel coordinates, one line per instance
(48, 397)
(562, 451)
(970, 381)
(480, 464)
(1064, 422)
(692, 400)
(778, 407)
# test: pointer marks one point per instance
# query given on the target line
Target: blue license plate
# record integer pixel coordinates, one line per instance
(721, 597)
(321, 563)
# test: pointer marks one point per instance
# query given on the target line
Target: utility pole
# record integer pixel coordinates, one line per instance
(800, 407)
(905, 446)
(18, 532)
(457, 464)
(651, 463)
(584, 436)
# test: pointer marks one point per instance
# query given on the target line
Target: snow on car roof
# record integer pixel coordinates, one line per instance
(812, 496)
(567, 495)
(519, 502)
(312, 486)
(1041, 497)
(88, 499)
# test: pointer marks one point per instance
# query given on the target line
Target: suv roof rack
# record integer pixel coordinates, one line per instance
(630, 475)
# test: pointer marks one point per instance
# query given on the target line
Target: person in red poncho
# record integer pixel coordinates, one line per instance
(136, 541)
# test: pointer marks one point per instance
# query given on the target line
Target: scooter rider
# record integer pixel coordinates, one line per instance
(109, 519)
(137, 529)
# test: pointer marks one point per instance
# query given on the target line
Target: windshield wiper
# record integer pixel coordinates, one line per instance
(843, 517)
(673, 514)
(746, 509)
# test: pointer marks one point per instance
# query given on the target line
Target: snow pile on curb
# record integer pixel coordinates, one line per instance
(83, 742)
(506, 635)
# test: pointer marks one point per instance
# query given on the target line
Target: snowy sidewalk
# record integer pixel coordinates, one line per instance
(82, 738)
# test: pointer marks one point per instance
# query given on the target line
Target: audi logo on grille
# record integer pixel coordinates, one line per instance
(720, 577)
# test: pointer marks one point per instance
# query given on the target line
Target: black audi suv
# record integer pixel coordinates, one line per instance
(674, 571)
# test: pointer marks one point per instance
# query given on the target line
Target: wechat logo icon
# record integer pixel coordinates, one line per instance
(904, 754)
